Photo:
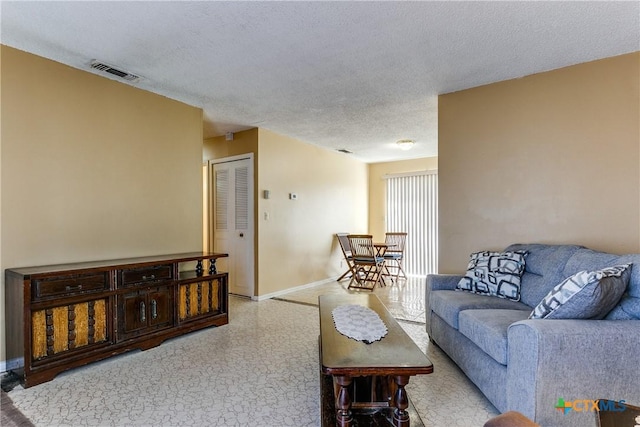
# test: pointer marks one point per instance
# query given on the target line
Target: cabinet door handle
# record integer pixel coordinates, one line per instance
(151, 277)
(143, 315)
(154, 309)
(74, 288)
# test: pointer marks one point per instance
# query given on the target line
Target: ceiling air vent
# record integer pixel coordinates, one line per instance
(101, 66)
(345, 151)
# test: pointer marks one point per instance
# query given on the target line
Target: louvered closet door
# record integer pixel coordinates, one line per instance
(233, 222)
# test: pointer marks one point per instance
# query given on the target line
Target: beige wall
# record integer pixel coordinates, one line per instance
(92, 168)
(378, 188)
(553, 157)
(243, 142)
(297, 244)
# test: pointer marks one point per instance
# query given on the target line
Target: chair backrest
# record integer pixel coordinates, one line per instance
(396, 240)
(343, 239)
(362, 245)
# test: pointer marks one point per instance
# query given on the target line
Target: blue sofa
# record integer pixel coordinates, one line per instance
(527, 365)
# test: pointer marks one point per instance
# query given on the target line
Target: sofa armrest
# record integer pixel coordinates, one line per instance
(436, 282)
(572, 360)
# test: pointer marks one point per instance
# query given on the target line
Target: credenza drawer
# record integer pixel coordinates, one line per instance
(63, 286)
(135, 276)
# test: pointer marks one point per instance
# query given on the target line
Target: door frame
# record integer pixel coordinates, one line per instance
(210, 163)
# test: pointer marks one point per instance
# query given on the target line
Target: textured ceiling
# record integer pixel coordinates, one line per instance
(354, 75)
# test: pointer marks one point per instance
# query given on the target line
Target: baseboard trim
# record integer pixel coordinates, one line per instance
(297, 288)
(7, 365)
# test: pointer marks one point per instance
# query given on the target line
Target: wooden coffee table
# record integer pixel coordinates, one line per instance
(367, 381)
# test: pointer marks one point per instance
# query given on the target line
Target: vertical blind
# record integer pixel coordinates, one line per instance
(412, 206)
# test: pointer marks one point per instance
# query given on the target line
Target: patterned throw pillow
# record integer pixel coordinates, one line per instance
(585, 295)
(495, 274)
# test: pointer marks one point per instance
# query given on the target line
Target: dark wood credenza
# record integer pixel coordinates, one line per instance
(63, 316)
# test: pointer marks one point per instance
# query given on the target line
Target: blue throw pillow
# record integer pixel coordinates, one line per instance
(585, 295)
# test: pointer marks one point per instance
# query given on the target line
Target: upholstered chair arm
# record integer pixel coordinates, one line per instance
(436, 282)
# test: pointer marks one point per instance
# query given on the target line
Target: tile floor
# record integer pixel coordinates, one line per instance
(404, 299)
(259, 370)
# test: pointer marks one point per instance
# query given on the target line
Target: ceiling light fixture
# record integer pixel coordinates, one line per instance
(405, 144)
(343, 150)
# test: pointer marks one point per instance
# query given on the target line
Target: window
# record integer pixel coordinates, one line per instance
(412, 206)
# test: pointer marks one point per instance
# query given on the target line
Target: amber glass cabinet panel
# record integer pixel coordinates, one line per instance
(201, 298)
(65, 328)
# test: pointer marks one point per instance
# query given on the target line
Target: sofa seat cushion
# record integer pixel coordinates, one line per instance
(488, 329)
(448, 304)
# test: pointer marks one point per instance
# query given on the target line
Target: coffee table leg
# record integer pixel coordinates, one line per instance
(343, 402)
(400, 415)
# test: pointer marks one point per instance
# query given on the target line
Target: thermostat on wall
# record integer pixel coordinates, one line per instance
(293, 196)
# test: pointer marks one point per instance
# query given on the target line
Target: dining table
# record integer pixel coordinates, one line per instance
(382, 247)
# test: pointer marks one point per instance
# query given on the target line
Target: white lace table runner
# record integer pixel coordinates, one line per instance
(359, 322)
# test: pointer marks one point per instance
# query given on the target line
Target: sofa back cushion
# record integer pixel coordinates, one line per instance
(548, 265)
(587, 259)
(544, 269)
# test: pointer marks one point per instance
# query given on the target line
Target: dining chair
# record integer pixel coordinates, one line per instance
(367, 267)
(394, 255)
(343, 239)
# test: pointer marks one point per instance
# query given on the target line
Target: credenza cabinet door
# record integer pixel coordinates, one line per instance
(161, 307)
(133, 313)
(144, 311)
(60, 330)
(201, 299)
